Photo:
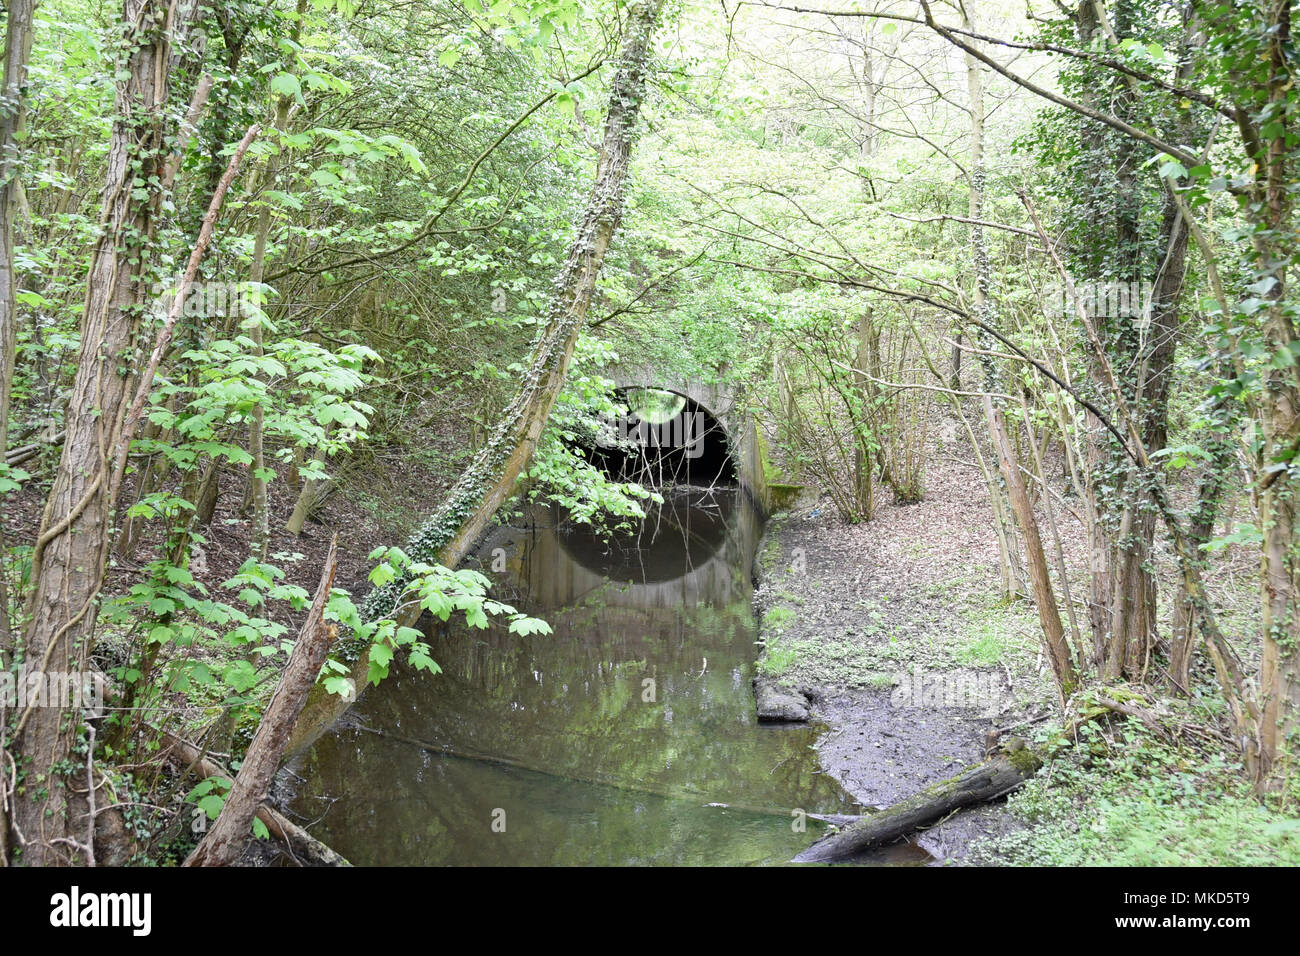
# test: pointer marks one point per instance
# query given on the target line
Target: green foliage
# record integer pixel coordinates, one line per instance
(777, 657)
(561, 471)
(428, 588)
(1141, 802)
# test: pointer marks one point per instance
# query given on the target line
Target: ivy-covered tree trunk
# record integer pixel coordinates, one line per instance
(490, 479)
(70, 553)
(1214, 480)
(1142, 340)
(1275, 241)
(17, 49)
(1012, 572)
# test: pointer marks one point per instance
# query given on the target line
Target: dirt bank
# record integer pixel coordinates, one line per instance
(893, 631)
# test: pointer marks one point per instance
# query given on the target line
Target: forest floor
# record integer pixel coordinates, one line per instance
(894, 630)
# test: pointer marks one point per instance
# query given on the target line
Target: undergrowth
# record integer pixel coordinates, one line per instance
(1142, 801)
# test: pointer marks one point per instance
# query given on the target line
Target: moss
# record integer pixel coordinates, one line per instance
(1021, 757)
(781, 496)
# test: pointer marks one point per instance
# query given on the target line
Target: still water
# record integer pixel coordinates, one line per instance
(628, 736)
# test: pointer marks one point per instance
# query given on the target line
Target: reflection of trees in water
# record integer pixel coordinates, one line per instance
(439, 810)
(571, 704)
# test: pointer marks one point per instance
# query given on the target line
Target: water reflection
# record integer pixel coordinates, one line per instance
(604, 742)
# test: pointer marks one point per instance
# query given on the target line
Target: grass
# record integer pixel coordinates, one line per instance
(778, 618)
(987, 649)
(776, 658)
(1132, 800)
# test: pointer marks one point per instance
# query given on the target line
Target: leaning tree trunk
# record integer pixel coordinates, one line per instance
(486, 484)
(224, 843)
(1049, 615)
(69, 556)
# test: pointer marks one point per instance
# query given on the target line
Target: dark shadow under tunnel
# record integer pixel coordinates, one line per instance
(666, 438)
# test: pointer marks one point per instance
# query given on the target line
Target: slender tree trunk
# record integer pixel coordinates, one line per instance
(17, 49)
(984, 312)
(311, 491)
(222, 845)
(1213, 483)
(261, 536)
(1279, 500)
(867, 357)
(1049, 616)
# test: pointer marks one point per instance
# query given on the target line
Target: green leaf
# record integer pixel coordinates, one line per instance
(211, 805)
(1173, 170)
(286, 84)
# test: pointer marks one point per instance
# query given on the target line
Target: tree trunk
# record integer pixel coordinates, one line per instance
(867, 357)
(1124, 593)
(486, 484)
(261, 536)
(983, 307)
(69, 556)
(1213, 483)
(1279, 517)
(225, 841)
(1049, 616)
(978, 784)
(302, 846)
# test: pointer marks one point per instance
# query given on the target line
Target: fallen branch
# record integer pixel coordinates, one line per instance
(16, 456)
(977, 784)
(301, 845)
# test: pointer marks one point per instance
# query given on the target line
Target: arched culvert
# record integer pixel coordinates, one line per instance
(666, 438)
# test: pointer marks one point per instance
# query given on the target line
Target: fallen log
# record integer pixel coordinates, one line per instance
(16, 456)
(994, 778)
(301, 845)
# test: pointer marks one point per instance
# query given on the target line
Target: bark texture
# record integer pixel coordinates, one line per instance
(224, 843)
(70, 552)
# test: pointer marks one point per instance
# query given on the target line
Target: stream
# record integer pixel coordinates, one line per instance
(628, 736)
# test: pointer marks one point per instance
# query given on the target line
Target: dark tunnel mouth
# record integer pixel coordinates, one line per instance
(688, 446)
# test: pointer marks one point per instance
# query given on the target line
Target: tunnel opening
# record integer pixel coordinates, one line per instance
(666, 439)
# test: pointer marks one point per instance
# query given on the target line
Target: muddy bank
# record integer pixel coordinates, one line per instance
(892, 633)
